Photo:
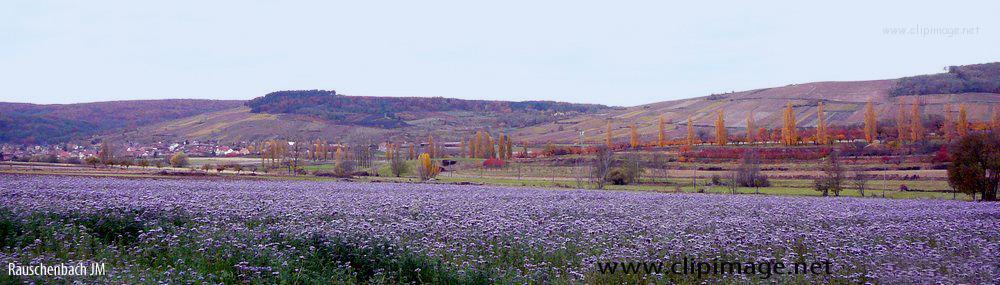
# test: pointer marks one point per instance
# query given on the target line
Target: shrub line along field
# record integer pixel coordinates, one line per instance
(263, 232)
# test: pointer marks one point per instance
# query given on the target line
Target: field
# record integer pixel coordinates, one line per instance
(787, 179)
(265, 232)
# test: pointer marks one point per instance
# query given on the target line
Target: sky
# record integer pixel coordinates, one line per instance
(621, 53)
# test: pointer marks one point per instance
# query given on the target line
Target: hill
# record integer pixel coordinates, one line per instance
(312, 114)
(844, 104)
(984, 78)
(394, 112)
(52, 123)
(320, 114)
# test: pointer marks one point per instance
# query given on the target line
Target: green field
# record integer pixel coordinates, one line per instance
(678, 176)
(553, 174)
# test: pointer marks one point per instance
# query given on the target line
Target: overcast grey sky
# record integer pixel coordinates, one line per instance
(610, 52)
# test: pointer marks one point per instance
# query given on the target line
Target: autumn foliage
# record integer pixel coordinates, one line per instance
(426, 167)
(821, 131)
(871, 127)
(916, 122)
(720, 129)
(788, 133)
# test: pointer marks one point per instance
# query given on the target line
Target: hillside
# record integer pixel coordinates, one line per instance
(327, 115)
(39, 124)
(982, 78)
(312, 114)
(844, 107)
(394, 112)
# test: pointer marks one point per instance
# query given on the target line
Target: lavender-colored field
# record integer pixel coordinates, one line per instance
(523, 235)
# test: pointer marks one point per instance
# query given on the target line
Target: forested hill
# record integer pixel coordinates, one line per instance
(40, 124)
(392, 112)
(981, 78)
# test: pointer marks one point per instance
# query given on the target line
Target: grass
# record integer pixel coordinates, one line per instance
(779, 187)
(199, 161)
(532, 175)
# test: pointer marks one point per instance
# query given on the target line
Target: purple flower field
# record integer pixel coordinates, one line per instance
(511, 235)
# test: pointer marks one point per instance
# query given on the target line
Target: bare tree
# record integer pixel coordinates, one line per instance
(860, 180)
(733, 182)
(659, 165)
(364, 157)
(748, 174)
(398, 165)
(298, 148)
(603, 158)
(833, 175)
(632, 167)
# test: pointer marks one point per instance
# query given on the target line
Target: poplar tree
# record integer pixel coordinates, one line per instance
(608, 135)
(871, 129)
(661, 139)
(948, 127)
(412, 155)
(432, 151)
(750, 128)
(478, 145)
(462, 145)
(105, 154)
(916, 123)
(633, 136)
(720, 129)
(690, 134)
(821, 136)
(901, 123)
(502, 146)
(490, 147)
(788, 132)
(509, 148)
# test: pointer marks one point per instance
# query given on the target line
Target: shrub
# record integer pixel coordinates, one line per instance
(398, 165)
(93, 161)
(427, 168)
(761, 181)
(44, 158)
(748, 174)
(343, 168)
(73, 160)
(493, 163)
(618, 177)
(179, 160)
